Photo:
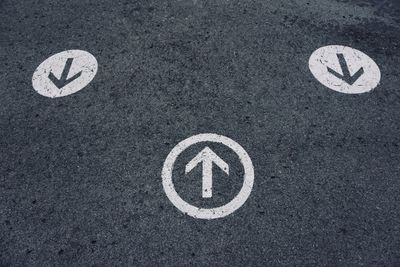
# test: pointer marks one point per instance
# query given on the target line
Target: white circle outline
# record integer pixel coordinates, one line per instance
(370, 79)
(43, 86)
(212, 213)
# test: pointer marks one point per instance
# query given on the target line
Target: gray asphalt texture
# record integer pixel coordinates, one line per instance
(80, 176)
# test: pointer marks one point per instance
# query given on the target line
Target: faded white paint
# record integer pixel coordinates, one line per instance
(203, 213)
(83, 63)
(325, 61)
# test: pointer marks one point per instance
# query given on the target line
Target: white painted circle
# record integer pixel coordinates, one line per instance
(212, 213)
(83, 62)
(327, 57)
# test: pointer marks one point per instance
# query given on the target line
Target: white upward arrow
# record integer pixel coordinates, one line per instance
(207, 157)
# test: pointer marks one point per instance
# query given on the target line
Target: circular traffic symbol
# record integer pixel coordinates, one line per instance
(344, 69)
(64, 73)
(207, 157)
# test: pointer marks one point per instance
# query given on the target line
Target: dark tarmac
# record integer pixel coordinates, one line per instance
(80, 175)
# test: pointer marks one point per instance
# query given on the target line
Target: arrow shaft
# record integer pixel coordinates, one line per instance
(343, 66)
(207, 179)
(66, 69)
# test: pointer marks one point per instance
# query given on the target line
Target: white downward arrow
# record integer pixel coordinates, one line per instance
(207, 157)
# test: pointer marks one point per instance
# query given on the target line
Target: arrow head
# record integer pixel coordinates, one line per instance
(207, 155)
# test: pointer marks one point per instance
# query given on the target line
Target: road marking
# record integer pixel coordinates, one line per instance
(64, 73)
(207, 157)
(63, 81)
(344, 69)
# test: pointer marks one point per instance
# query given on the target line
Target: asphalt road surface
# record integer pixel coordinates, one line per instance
(80, 175)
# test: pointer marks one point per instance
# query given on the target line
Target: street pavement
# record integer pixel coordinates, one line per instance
(81, 175)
